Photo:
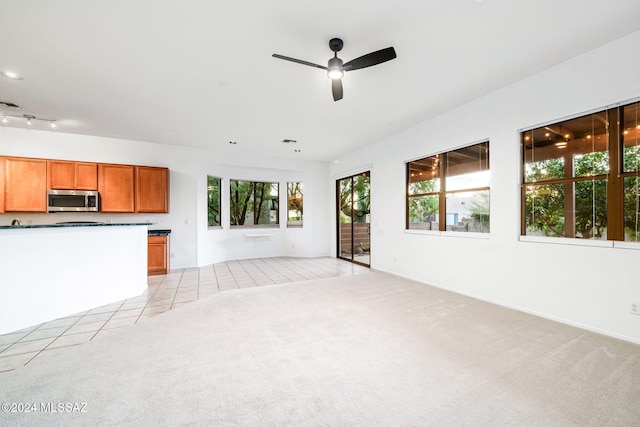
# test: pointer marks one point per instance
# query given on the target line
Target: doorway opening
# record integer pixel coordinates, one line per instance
(353, 218)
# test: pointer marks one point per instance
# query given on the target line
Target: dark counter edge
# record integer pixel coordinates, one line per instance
(79, 224)
(159, 232)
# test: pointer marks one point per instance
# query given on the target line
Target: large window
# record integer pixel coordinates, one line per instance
(294, 204)
(213, 200)
(450, 191)
(253, 203)
(580, 177)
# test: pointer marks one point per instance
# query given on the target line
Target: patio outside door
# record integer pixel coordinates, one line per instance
(354, 218)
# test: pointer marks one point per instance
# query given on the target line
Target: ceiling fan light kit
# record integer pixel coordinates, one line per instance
(336, 68)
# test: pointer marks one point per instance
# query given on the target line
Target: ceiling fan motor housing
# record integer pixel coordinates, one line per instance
(336, 44)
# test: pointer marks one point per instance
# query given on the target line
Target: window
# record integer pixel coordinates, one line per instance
(213, 200)
(573, 184)
(450, 191)
(294, 204)
(630, 130)
(253, 203)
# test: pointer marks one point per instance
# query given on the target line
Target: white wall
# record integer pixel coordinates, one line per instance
(587, 286)
(191, 243)
(217, 244)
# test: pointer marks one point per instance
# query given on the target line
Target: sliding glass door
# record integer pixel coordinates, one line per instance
(353, 203)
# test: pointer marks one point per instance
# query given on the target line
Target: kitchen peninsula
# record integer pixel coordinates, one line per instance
(55, 270)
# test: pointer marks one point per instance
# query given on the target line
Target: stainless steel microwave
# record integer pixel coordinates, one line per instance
(73, 201)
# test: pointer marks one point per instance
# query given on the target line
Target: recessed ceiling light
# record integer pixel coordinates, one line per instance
(11, 75)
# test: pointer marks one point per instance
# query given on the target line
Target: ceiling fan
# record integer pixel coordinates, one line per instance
(336, 68)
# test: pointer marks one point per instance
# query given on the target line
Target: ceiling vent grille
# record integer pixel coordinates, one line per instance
(6, 104)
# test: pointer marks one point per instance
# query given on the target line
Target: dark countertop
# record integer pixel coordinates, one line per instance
(75, 224)
(159, 232)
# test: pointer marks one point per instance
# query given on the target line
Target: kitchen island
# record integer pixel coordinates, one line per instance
(55, 270)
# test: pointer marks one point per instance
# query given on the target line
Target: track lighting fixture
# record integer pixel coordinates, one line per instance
(30, 119)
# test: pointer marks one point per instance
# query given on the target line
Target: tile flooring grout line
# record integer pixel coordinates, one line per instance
(38, 327)
(198, 287)
(215, 274)
(151, 296)
(285, 265)
(176, 293)
(226, 263)
(112, 314)
(54, 340)
(261, 267)
(255, 282)
(276, 271)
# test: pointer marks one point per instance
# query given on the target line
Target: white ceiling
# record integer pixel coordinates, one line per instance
(200, 73)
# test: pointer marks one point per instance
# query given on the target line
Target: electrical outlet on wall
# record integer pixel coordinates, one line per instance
(634, 308)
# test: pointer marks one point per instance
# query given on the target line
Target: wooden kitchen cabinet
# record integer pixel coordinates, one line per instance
(25, 185)
(116, 184)
(152, 189)
(65, 175)
(158, 255)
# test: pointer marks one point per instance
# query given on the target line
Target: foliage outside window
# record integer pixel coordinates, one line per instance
(355, 199)
(450, 191)
(574, 186)
(253, 203)
(294, 204)
(213, 200)
(630, 135)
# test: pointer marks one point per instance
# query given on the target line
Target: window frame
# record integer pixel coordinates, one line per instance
(252, 202)
(219, 224)
(614, 178)
(442, 193)
(300, 188)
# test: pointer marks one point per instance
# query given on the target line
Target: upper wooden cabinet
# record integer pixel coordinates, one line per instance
(152, 189)
(123, 188)
(65, 175)
(25, 185)
(116, 187)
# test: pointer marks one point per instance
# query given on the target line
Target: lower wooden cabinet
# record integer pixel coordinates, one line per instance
(158, 255)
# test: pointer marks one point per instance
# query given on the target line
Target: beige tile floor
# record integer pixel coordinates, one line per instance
(164, 293)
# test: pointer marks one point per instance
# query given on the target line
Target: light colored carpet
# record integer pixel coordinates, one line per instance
(366, 350)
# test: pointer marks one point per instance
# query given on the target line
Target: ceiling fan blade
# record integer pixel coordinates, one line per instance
(373, 58)
(299, 61)
(336, 88)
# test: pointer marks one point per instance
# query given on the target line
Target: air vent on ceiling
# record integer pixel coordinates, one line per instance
(7, 104)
